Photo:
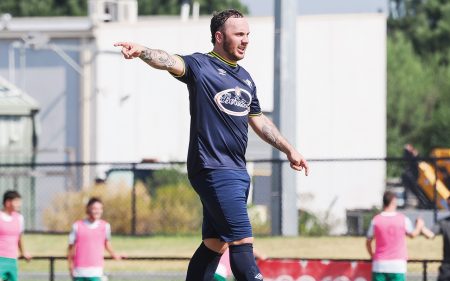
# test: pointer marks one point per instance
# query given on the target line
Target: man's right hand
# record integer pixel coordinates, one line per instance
(130, 50)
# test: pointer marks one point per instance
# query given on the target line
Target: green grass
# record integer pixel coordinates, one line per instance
(184, 246)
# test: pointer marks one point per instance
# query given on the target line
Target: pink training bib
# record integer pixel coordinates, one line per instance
(390, 237)
(90, 245)
(9, 236)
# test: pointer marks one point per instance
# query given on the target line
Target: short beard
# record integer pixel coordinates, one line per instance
(228, 49)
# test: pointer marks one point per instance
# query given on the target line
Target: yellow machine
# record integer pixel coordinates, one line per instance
(444, 164)
(426, 181)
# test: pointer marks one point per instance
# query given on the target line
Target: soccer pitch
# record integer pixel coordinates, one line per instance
(183, 246)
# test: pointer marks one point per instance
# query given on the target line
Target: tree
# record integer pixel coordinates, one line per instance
(426, 23)
(418, 101)
(26, 8)
(173, 7)
(30, 8)
(418, 107)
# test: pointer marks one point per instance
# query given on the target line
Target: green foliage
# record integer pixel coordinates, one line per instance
(310, 224)
(367, 217)
(418, 103)
(426, 23)
(31, 8)
(68, 207)
(173, 7)
(175, 210)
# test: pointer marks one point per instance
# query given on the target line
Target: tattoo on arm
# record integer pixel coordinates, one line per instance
(157, 58)
(271, 135)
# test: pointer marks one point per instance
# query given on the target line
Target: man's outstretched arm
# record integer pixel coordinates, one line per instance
(158, 59)
(267, 131)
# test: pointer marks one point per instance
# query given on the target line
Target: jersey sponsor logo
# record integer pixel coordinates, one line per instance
(234, 101)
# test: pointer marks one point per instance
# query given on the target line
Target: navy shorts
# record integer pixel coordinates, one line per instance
(224, 196)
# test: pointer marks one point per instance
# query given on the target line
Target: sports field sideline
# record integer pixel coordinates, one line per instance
(183, 246)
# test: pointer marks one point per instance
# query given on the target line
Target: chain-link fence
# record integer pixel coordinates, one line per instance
(338, 197)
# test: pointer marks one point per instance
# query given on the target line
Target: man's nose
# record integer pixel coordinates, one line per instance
(245, 39)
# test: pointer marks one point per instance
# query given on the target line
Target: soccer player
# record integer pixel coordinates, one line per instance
(442, 227)
(11, 229)
(223, 101)
(389, 229)
(87, 242)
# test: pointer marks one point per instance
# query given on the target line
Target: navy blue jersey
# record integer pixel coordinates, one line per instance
(222, 96)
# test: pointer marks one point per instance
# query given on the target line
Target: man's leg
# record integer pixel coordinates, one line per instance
(243, 262)
(444, 272)
(224, 197)
(203, 263)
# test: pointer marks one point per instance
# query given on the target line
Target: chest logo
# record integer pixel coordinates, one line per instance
(234, 102)
(221, 72)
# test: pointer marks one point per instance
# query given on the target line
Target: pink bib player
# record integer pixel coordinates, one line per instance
(390, 237)
(9, 236)
(90, 245)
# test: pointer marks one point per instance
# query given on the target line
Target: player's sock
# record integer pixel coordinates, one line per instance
(203, 264)
(243, 263)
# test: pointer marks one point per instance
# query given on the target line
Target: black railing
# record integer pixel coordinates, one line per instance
(52, 260)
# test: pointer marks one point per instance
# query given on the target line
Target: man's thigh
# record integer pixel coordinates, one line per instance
(224, 197)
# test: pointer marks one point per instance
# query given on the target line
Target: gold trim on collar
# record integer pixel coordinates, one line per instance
(216, 55)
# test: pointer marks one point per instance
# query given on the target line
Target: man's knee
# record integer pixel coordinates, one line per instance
(216, 245)
(248, 240)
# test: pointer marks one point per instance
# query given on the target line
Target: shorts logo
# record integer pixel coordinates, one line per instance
(234, 101)
(259, 276)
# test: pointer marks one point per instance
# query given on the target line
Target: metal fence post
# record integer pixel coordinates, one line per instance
(52, 268)
(133, 202)
(424, 270)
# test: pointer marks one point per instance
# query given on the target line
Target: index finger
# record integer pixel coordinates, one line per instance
(123, 44)
(306, 168)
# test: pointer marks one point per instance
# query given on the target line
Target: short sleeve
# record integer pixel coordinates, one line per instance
(108, 232)
(408, 226)
(73, 234)
(22, 224)
(370, 230)
(255, 109)
(190, 69)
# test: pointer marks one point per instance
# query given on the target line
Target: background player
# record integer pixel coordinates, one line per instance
(389, 229)
(11, 229)
(87, 242)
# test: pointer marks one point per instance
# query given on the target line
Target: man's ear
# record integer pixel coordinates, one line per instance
(219, 36)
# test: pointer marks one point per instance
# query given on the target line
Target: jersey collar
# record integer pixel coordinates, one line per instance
(216, 55)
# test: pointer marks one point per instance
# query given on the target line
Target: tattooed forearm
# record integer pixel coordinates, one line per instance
(271, 135)
(157, 58)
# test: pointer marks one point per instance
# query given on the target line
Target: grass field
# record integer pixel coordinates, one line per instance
(184, 246)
